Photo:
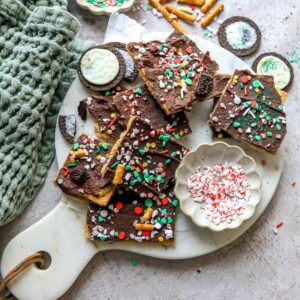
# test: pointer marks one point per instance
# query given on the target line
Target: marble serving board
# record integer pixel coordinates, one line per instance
(61, 232)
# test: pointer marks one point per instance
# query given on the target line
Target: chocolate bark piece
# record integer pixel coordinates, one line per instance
(117, 222)
(274, 64)
(113, 81)
(80, 176)
(139, 102)
(82, 110)
(171, 70)
(148, 156)
(239, 35)
(211, 86)
(67, 127)
(251, 110)
(106, 115)
(131, 71)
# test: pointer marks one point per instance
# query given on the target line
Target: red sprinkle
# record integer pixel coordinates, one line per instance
(189, 50)
(121, 235)
(165, 151)
(138, 210)
(278, 225)
(112, 122)
(164, 201)
(119, 205)
(245, 79)
(152, 134)
(146, 233)
(67, 173)
(245, 90)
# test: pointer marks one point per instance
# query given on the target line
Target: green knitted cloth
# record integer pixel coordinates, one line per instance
(38, 56)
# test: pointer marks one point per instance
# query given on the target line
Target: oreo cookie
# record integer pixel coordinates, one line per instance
(239, 35)
(101, 68)
(276, 65)
(67, 127)
(131, 71)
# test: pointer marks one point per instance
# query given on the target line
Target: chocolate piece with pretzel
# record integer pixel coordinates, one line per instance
(80, 176)
(171, 70)
(148, 158)
(129, 217)
(251, 110)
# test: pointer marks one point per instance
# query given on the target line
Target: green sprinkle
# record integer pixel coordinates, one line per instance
(128, 167)
(115, 164)
(170, 220)
(60, 181)
(278, 127)
(148, 202)
(163, 221)
(150, 178)
(247, 103)
(104, 146)
(236, 124)
(142, 151)
(176, 136)
(206, 32)
(98, 149)
(132, 182)
(166, 137)
(149, 7)
(134, 262)
(163, 211)
(71, 165)
(159, 48)
(174, 124)
(253, 124)
(102, 237)
(189, 81)
(281, 107)
(139, 179)
(257, 84)
(76, 146)
(168, 161)
(174, 154)
(159, 178)
(278, 120)
(107, 93)
(257, 137)
(268, 118)
(139, 91)
(100, 219)
(269, 134)
(183, 36)
(117, 233)
(175, 203)
(136, 174)
(241, 85)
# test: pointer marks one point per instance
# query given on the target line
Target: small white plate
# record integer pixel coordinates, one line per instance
(207, 155)
(106, 10)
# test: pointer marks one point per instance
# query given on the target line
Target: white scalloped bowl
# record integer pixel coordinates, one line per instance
(207, 155)
(108, 10)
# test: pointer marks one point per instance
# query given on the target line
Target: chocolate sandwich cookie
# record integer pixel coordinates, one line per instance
(239, 35)
(67, 127)
(131, 71)
(131, 218)
(276, 65)
(101, 68)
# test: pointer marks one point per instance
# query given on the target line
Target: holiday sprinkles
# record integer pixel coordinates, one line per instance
(221, 190)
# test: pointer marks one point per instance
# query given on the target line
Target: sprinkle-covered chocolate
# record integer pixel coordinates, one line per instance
(139, 102)
(251, 110)
(149, 159)
(80, 176)
(129, 217)
(171, 70)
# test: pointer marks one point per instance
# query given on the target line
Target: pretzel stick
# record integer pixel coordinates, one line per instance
(195, 2)
(210, 17)
(180, 14)
(207, 6)
(167, 16)
(139, 226)
(118, 174)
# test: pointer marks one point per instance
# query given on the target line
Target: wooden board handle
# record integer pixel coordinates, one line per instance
(65, 243)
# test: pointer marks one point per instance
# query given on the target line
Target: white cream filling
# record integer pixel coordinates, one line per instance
(274, 66)
(99, 66)
(240, 35)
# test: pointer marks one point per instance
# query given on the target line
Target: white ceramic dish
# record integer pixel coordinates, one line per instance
(61, 232)
(207, 155)
(108, 10)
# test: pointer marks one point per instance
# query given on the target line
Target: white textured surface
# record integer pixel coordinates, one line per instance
(259, 265)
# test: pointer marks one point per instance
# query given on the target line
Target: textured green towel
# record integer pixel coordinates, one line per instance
(37, 65)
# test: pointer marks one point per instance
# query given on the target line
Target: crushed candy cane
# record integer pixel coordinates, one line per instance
(221, 190)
